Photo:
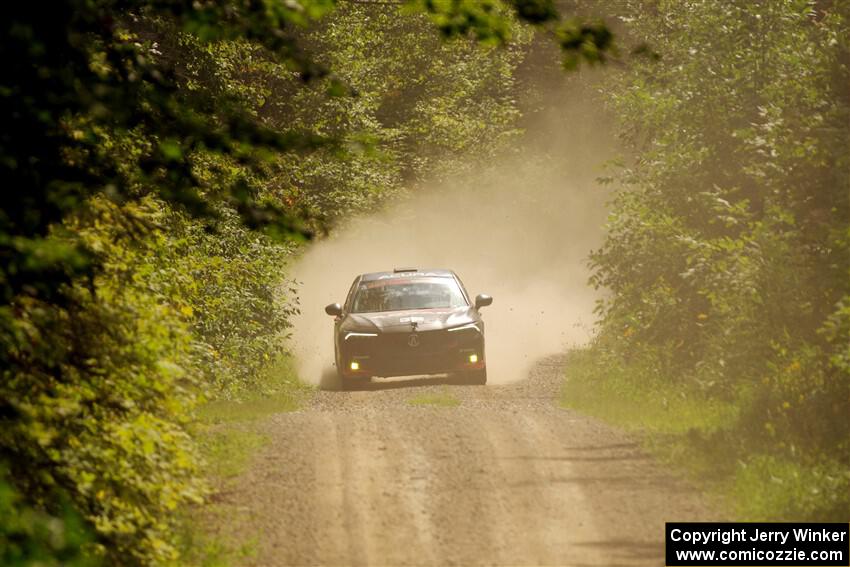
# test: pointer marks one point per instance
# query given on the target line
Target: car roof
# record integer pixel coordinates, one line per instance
(408, 273)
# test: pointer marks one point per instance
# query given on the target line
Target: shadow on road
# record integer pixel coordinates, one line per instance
(629, 457)
(396, 383)
(330, 381)
(628, 550)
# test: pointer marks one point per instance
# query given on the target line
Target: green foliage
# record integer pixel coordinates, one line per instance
(727, 254)
(583, 41)
(578, 38)
(95, 398)
(422, 108)
(100, 369)
(772, 488)
(230, 286)
(33, 537)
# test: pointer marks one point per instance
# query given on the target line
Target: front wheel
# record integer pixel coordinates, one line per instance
(476, 377)
(348, 383)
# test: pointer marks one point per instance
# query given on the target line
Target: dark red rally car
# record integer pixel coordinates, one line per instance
(409, 322)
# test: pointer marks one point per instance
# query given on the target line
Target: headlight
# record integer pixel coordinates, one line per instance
(349, 335)
(466, 327)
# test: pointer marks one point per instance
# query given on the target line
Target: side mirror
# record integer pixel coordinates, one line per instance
(334, 309)
(482, 300)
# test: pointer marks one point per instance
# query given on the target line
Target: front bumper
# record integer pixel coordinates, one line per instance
(407, 354)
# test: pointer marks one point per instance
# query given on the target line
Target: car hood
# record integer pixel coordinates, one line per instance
(400, 321)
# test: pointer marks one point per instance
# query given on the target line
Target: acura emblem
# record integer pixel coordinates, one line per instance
(413, 340)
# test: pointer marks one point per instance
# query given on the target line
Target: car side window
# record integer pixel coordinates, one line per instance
(463, 289)
(350, 297)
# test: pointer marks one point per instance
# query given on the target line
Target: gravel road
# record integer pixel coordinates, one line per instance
(504, 478)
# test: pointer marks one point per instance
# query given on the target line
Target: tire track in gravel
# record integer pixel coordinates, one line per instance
(505, 478)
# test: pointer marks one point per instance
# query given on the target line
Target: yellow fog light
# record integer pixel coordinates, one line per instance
(473, 358)
(355, 366)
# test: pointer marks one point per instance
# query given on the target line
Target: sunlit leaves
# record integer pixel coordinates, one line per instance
(535, 11)
(478, 19)
(582, 41)
(30, 536)
(579, 40)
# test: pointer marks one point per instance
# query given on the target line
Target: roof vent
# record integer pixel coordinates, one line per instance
(401, 270)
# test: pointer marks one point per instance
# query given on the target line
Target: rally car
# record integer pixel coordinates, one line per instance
(409, 322)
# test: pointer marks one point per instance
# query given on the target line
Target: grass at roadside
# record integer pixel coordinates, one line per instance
(281, 392)
(614, 395)
(442, 399)
(707, 439)
(228, 433)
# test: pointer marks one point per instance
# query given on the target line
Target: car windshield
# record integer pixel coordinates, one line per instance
(407, 293)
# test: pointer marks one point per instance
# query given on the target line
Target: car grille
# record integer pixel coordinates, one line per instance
(428, 342)
(391, 353)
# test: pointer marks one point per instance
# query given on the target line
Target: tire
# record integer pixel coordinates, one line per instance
(348, 384)
(476, 377)
(345, 384)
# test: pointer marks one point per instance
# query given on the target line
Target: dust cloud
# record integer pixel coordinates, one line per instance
(519, 230)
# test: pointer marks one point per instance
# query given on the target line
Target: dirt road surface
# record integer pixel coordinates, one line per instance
(504, 478)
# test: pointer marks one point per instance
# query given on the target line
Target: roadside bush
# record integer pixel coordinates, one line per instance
(34, 537)
(727, 255)
(773, 488)
(100, 389)
(231, 285)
